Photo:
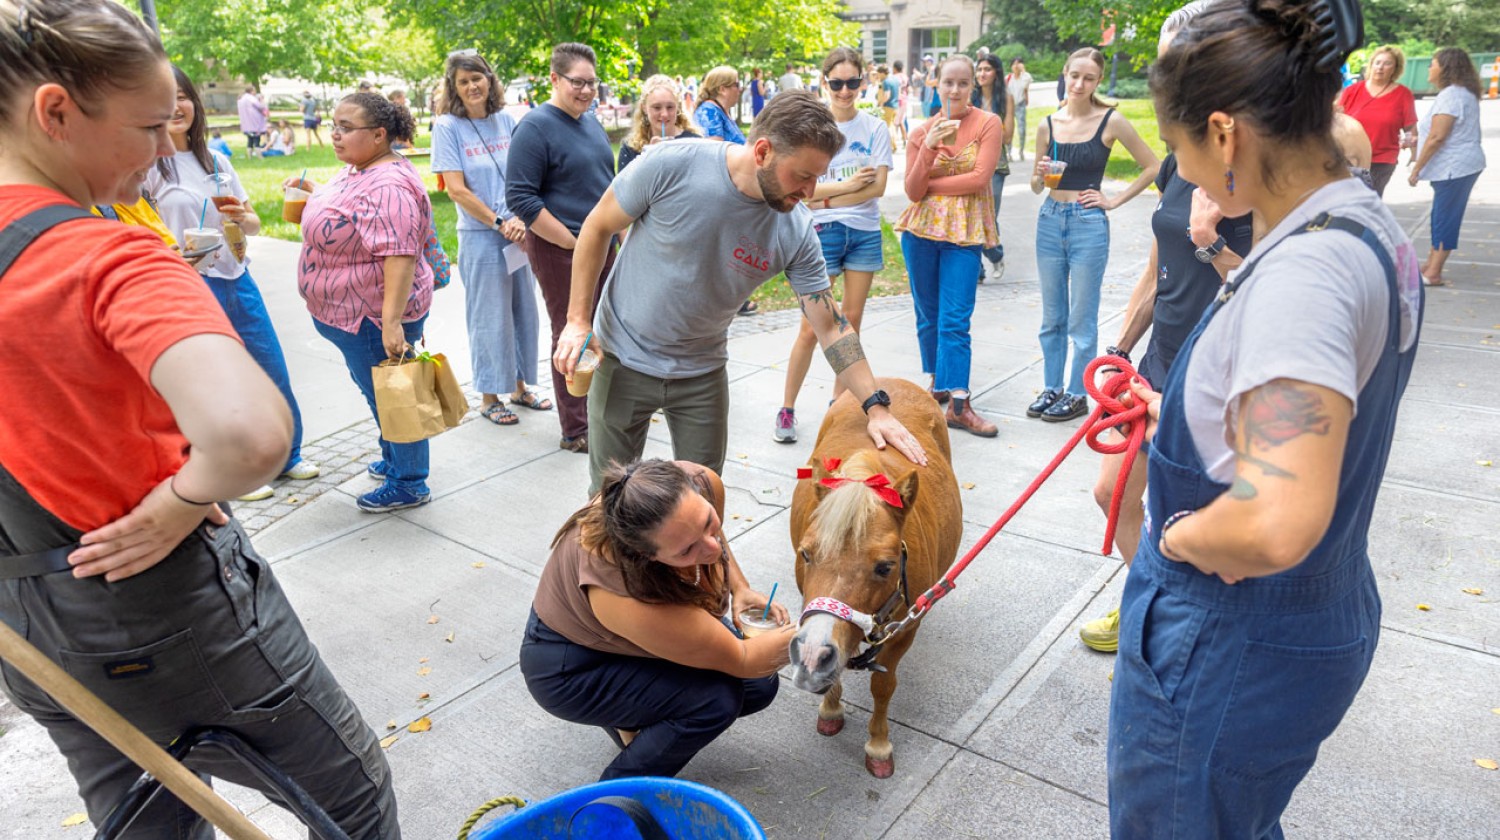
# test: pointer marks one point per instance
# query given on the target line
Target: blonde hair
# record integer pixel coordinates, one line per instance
(1398, 57)
(715, 81)
(641, 129)
(1097, 58)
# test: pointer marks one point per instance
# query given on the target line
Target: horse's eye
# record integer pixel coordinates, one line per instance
(806, 558)
(883, 569)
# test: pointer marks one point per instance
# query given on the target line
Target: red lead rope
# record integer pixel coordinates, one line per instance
(1131, 423)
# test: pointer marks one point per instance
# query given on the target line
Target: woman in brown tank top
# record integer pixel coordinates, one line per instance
(628, 628)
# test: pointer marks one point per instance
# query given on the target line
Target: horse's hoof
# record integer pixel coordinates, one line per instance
(881, 768)
(830, 726)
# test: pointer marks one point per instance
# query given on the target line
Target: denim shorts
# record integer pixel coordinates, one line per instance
(848, 249)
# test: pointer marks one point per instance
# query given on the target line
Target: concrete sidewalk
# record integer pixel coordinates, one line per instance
(1001, 718)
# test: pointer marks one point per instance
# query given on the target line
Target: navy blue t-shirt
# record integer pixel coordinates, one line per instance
(559, 164)
(1184, 286)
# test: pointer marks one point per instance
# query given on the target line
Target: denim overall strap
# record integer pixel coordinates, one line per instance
(1179, 481)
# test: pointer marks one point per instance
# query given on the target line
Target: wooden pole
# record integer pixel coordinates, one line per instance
(87, 707)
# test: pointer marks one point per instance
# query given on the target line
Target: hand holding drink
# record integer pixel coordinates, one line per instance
(1052, 172)
(583, 373)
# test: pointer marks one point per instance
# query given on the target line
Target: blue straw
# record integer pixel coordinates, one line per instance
(767, 611)
(203, 214)
(586, 340)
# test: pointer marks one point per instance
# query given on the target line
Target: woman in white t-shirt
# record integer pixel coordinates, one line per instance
(846, 210)
(1450, 154)
(1250, 614)
(196, 187)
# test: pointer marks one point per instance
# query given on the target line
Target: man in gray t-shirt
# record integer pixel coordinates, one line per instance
(711, 223)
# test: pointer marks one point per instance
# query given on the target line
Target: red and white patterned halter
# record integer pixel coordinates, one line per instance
(839, 610)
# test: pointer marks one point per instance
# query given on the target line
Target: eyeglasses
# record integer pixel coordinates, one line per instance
(581, 84)
(837, 85)
(340, 130)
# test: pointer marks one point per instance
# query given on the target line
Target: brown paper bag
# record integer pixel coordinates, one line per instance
(450, 394)
(406, 400)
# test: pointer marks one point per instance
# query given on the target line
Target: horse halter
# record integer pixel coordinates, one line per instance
(877, 628)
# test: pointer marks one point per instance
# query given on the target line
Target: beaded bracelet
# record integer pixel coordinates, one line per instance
(1172, 520)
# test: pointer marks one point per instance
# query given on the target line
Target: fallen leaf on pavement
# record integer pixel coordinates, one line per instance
(423, 671)
(478, 564)
(432, 619)
(1473, 590)
(734, 516)
(76, 819)
(1485, 463)
(968, 485)
(421, 724)
(449, 637)
(1487, 763)
(390, 724)
(424, 696)
(1424, 607)
(385, 743)
(422, 661)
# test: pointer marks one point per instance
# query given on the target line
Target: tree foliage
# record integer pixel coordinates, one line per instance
(317, 40)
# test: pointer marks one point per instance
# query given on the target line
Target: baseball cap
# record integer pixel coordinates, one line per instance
(927, 57)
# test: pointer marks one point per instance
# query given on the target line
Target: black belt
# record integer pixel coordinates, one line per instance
(47, 562)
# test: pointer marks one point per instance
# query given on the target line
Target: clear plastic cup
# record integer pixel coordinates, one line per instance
(752, 625)
(201, 239)
(1054, 174)
(294, 203)
(578, 383)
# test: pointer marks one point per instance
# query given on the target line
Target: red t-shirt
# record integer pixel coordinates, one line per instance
(1383, 117)
(84, 313)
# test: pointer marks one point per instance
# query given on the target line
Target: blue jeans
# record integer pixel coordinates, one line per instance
(849, 249)
(406, 463)
(500, 309)
(943, 279)
(247, 313)
(1072, 248)
(997, 253)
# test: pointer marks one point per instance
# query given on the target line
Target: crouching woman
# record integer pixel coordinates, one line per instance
(628, 630)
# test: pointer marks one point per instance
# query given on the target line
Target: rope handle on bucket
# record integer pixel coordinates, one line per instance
(1109, 413)
(474, 818)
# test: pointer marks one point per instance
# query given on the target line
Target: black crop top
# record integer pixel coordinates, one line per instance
(1085, 160)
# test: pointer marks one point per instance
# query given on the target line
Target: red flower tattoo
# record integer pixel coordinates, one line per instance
(1276, 414)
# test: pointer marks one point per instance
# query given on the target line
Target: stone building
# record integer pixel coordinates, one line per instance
(906, 30)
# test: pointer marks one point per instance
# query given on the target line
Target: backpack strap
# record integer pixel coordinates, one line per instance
(19, 234)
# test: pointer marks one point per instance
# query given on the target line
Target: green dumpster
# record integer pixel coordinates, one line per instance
(1415, 75)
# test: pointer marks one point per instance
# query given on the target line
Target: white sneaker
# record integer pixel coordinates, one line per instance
(303, 470)
(786, 426)
(264, 492)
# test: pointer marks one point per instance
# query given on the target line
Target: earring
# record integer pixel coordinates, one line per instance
(1229, 180)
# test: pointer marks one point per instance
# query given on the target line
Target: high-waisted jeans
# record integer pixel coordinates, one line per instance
(1072, 248)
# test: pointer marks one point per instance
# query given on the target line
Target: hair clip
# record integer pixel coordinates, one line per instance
(23, 23)
(1341, 30)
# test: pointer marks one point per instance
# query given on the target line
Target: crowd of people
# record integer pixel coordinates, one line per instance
(1280, 291)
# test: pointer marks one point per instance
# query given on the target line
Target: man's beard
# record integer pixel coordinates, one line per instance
(781, 202)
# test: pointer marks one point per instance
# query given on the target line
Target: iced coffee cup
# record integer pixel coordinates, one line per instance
(752, 625)
(583, 374)
(1054, 173)
(200, 239)
(294, 203)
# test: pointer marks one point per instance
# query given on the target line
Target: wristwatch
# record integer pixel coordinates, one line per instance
(1115, 351)
(498, 221)
(1208, 253)
(877, 398)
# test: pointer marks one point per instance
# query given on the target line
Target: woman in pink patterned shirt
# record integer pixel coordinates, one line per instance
(362, 273)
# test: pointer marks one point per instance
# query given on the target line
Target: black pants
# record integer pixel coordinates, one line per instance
(677, 710)
(1381, 174)
(204, 638)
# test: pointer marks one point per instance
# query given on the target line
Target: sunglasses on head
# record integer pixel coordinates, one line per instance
(837, 85)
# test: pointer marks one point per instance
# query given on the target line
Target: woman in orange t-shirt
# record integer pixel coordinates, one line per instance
(140, 411)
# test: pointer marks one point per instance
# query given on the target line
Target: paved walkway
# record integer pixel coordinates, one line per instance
(1000, 721)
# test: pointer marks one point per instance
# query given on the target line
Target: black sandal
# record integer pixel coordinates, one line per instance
(497, 413)
(532, 400)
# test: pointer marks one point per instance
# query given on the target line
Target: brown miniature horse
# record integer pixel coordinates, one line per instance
(850, 539)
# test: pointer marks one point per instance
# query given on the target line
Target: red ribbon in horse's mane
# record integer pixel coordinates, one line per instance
(879, 482)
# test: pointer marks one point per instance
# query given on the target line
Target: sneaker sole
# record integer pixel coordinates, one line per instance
(1101, 645)
(780, 439)
(390, 508)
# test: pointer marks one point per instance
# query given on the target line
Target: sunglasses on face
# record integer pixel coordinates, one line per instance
(837, 85)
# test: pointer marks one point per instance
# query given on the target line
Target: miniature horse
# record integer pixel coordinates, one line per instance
(850, 534)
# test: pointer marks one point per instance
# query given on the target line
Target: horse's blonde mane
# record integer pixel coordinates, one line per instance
(844, 515)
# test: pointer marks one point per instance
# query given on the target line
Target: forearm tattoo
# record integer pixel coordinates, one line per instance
(824, 300)
(844, 352)
(1271, 415)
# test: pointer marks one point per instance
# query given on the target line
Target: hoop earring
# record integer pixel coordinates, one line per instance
(1229, 180)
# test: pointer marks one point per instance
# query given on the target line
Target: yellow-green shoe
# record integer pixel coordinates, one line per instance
(1102, 634)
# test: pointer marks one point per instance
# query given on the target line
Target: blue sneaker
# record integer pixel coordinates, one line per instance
(388, 498)
(376, 470)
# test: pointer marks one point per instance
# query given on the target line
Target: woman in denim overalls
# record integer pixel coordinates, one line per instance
(1250, 616)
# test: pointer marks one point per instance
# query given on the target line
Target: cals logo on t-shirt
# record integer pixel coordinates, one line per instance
(752, 254)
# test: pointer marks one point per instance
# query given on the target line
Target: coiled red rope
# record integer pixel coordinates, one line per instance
(1109, 413)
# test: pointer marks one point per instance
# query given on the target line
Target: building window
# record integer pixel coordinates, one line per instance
(877, 43)
(945, 39)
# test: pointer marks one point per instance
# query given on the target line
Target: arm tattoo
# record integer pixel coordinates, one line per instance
(844, 352)
(1271, 415)
(824, 300)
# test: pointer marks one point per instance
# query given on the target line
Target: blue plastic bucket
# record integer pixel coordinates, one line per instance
(686, 811)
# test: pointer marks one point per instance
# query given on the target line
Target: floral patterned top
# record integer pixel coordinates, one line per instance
(950, 186)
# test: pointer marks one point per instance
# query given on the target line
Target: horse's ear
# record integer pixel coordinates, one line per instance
(815, 467)
(906, 485)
